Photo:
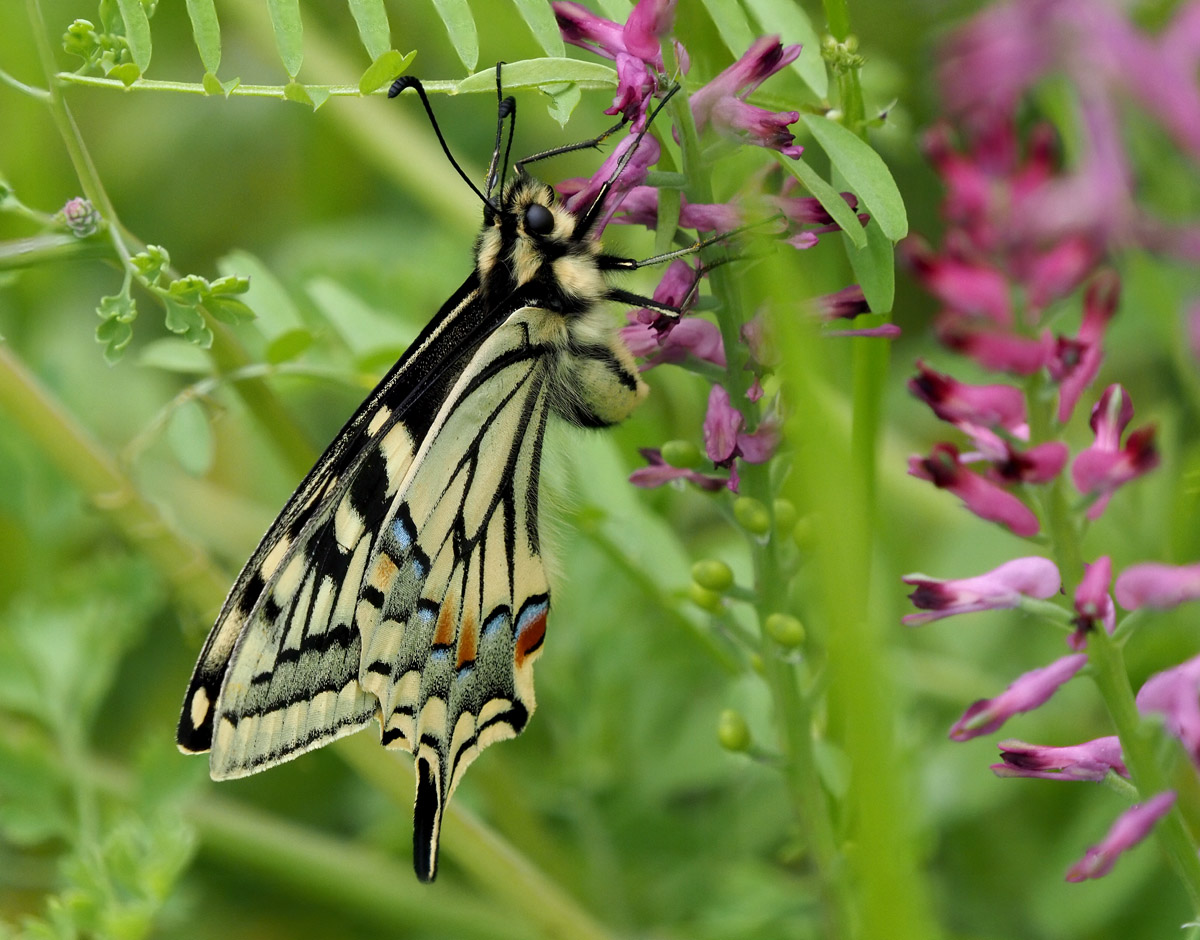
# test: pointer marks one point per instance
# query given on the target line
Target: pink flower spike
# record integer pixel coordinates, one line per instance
(1025, 694)
(965, 287)
(1105, 466)
(1131, 827)
(1076, 361)
(959, 403)
(988, 501)
(1001, 588)
(1092, 760)
(660, 472)
(1159, 586)
(995, 349)
(1093, 604)
(1175, 694)
(1057, 272)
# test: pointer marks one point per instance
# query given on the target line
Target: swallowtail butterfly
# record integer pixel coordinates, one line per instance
(403, 580)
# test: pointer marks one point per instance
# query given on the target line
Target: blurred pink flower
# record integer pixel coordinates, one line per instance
(966, 405)
(1158, 586)
(1131, 827)
(1093, 604)
(944, 468)
(1175, 694)
(724, 438)
(1092, 760)
(1076, 361)
(660, 472)
(1029, 691)
(1106, 465)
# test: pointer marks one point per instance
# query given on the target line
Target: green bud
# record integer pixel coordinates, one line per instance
(732, 731)
(785, 516)
(705, 599)
(682, 454)
(752, 515)
(713, 575)
(785, 630)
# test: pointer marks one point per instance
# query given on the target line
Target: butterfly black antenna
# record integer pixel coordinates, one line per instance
(406, 81)
(593, 211)
(504, 108)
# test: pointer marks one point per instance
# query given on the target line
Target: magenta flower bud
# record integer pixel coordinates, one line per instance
(963, 286)
(1039, 464)
(660, 472)
(1056, 273)
(959, 403)
(722, 422)
(995, 350)
(1030, 690)
(80, 217)
(1093, 604)
(640, 207)
(1131, 827)
(944, 469)
(1159, 586)
(581, 27)
(1105, 466)
(1092, 760)
(806, 210)
(1175, 694)
(721, 101)
(1001, 588)
(844, 304)
(635, 87)
(1076, 361)
(645, 28)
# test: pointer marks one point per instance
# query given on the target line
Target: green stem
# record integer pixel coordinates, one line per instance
(837, 15)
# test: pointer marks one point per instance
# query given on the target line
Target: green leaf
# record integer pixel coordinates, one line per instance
(229, 310)
(206, 30)
(187, 321)
(828, 197)
(289, 33)
(294, 91)
(318, 96)
(731, 23)
(114, 334)
(289, 345)
(788, 19)
(117, 307)
(874, 268)
(189, 289)
(363, 328)
(137, 32)
(212, 84)
(563, 100)
(386, 67)
(149, 263)
(539, 17)
(533, 73)
(372, 20)
(276, 314)
(174, 355)
(460, 24)
(127, 73)
(189, 435)
(230, 284)
(865, 172)
(230, 85)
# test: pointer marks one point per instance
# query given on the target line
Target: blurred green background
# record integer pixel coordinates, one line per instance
(353, 229)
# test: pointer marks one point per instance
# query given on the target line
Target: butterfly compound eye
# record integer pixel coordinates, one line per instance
(538, 220)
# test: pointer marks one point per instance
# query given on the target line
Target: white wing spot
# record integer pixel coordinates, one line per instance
(199, 709)
(347, 525)
(378, 420)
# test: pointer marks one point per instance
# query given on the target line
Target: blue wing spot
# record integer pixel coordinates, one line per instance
(534, 607)
(497, 621)
(427, 610)
(420, 564)
(439, 654)
(464, 671)
(402, 529)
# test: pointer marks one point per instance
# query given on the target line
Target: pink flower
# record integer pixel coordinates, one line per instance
(945, 470)
(1093, 604)
(1158, 586)
(1025, 694)
(724, 438)
(1175, 694)
(1106, 465)
(640, 207)
(722, 103)
(969, 405)
(1076, 361)
(1001, 588)
(1038, 464)
(1131, 827)
(1092, 760)
(966, 287)
(997, 350)
(583, 194)
(659, 472)
(844, 304)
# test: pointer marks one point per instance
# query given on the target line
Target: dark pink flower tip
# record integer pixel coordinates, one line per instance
(1038, 464)
(1131, 827)
(581, 27)
(1092, 760)
(635, 87)
(660, 472)
(1025, 694)
(944, 469)
(1093, 604)
(579, 196)
(1175, 694)
(844, 304)
(1159, 586)
(956, 402)
(1106, 465)
(994, 349)
(645, 28)
(1001, 588)
(1076, 361)
(965, 287)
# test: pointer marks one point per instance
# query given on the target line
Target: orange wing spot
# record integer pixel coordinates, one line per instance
(384, 573)
(468, 641)
(444, 634)
(531, 638)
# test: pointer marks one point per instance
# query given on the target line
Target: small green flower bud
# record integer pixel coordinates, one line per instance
(757, 664)
(785, 630)
(705, 599)
(683, 454)
(732, 731)
(713, 575)
(785, 516)
(752, 515)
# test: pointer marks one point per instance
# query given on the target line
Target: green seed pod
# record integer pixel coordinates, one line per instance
(713, 575)
(683, 454)
(732, 731)
(785, 516)
(705, 599)
(752, 515)
(785, 630)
